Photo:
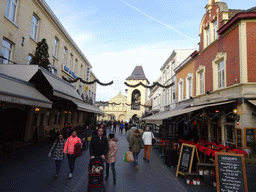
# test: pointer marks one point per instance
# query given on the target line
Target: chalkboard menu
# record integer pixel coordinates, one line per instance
(40, 133)
(186, 159)
(249, 133)
(239, 138)
(230, 172)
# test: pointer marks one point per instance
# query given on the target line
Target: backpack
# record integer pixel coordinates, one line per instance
(78, 150)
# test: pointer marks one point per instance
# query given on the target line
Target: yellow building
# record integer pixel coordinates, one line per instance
(24, 23)
(130, 106)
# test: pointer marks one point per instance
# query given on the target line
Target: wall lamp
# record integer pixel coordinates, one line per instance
(236, 116)
(37, 109)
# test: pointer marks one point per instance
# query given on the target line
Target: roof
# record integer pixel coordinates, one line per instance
(137, 74)
(233, 12)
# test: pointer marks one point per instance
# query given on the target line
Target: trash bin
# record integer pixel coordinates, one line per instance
(171, 158)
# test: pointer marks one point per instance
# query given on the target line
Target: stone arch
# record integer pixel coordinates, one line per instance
(136, 100)
(121, 117)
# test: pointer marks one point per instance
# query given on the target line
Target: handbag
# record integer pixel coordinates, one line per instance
(89, 138)
(129, 156)
(153, 140)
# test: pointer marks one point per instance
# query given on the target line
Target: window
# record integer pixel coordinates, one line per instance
(181, 84)
(221, 75)
(29, 59)
(207, 36)
(81, 71)
(215, 29)
(173, 93)
(75, 65)
(70, 60)
(189, 86)
(34, 27)
(11, 9)
(201, 79)
(65, 50)
(6, 51)
(55, 48)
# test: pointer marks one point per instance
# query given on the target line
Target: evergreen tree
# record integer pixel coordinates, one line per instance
(41, 56)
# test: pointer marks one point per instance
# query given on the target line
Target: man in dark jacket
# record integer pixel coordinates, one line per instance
(99, 145)
(67, 131)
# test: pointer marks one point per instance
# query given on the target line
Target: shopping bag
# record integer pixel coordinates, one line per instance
(129, 156)
(125, 160)
(89, 138)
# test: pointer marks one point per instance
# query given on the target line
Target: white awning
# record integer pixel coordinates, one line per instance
(164, 115)
(14, 90)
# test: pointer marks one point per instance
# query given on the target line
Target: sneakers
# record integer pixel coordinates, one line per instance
(137, 167)
(70, 175)
(56, 176)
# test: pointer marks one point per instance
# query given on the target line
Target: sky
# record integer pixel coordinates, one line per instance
(117, 35)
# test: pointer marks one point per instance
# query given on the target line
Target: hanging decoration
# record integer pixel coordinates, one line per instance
(149, 86)
(106, 102)
(88, 83)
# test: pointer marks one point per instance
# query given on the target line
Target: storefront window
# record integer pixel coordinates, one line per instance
(229, 134)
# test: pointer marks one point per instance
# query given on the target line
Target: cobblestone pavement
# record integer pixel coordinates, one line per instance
(29, 169)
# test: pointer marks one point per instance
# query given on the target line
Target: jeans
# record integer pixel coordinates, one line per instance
(147, 149)
(57, 165)
(136, 158)
(113, 170)
(71, 162)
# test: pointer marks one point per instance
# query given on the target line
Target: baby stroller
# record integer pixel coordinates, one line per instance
(95, 178)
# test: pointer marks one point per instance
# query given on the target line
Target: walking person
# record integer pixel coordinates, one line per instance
(99, 145)
(130, 133)
(121, 127)
(67, 131)
(88, 135)
(126, 127)
(69, 148)
(111, 156)
(135, 146)
(57, 153)
(114, 126)
(147, 139)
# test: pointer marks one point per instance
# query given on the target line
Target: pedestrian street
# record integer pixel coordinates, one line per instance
(30, 169)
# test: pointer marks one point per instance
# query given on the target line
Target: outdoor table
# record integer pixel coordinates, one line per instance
(162, 145)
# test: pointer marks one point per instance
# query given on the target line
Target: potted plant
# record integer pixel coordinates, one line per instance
(188, 180)
(200, 171)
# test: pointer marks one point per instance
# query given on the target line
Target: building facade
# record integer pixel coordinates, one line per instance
(131, 106)
(23, 25)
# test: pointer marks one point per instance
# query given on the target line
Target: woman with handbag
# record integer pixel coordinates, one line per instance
(70, 149)
(57, 153)
(135, 146)
(111, 155)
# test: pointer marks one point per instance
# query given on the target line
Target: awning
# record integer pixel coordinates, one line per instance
(172, 113)
(252, 102)
(14, 90)
(81, 106)
(61, 88)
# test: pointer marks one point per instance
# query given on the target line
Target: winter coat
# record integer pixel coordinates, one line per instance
(112, 150)
(135, 143)
(147, 138)
(130, 133)
(70, 144)
(57, 149)
(87, 133)
(98, 147)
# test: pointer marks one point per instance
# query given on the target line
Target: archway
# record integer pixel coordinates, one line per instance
(136, 100)
(121, 118)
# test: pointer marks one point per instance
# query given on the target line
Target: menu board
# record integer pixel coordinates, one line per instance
(249, 137)
(185, 159)
(230, 172)
(239, 138)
